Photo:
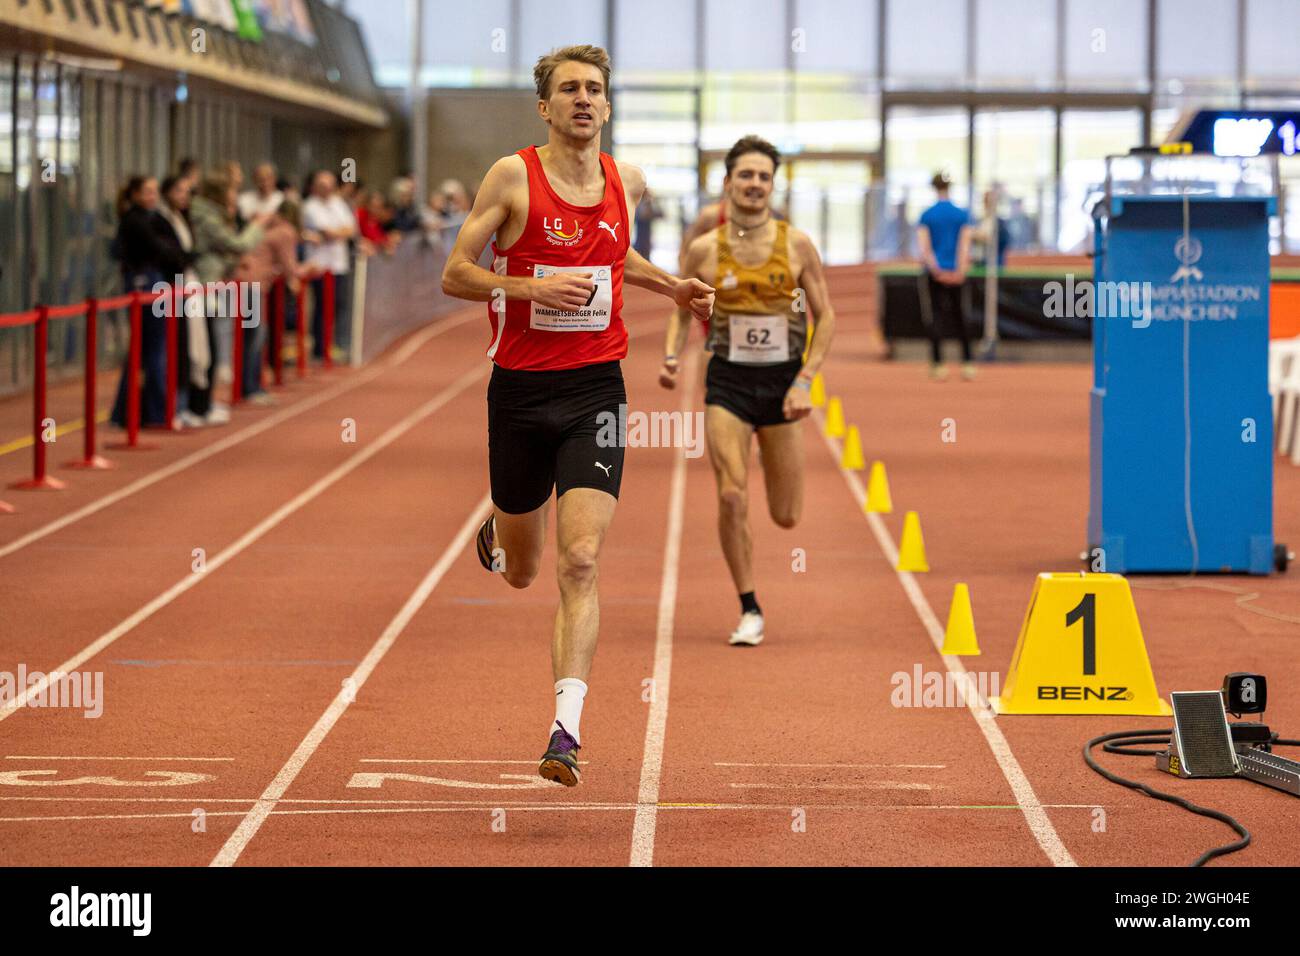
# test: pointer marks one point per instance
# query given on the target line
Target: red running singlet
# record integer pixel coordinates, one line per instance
(562, 237)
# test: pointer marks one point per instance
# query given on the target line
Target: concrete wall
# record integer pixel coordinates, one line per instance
(469, 130)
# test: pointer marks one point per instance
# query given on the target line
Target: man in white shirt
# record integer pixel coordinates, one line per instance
(328, 225)
(264, 198)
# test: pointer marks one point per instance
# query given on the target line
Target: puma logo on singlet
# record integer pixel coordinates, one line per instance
(604, 468)
(611, 230)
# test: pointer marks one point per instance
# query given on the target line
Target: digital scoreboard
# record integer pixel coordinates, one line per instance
(1240, 132)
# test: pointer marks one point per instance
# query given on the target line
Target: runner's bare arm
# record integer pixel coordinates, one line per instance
(464, 278)
(637, 270)
(705, 222)
(812, 279)
(679, 321)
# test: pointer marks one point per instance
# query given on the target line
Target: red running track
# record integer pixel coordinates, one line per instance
(343, 684)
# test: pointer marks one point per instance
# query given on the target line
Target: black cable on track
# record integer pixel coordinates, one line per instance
(1125, 742)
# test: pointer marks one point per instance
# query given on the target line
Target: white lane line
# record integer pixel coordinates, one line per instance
(275, 790)
(250, 537)
(527, 763)
(16, 757)
(847, 766)
(230, 441)
(873, 785)
(1040, 825)
(527, 804)
(643, 827)
(534, 808)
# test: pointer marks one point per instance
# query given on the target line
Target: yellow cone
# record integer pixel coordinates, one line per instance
(878, 500)
(959, 636)
(818, 392)
(834, 418)
(852, 456)
(911, 551)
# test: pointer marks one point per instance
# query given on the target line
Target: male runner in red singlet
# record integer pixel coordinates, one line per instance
(769, 278)
(561, 215)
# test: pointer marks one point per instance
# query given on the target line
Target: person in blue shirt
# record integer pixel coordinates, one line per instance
(943, 238)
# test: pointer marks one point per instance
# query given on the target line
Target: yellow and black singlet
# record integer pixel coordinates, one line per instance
(755, 321)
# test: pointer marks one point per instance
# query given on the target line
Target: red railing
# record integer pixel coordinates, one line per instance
(91, 309)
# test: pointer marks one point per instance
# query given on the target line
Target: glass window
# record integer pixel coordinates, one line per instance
(826, 201)
(926, 41)
(918, 143)
(654, 37)
(1197, 39)
(1106, 40)
(24, 134)
(832, 114)
(385, 26)
(113, 179)
(477, 36)
(655, 129)
(1014, 154)
(835, 37)
(745, 38)
(1087, 138)
(543, 28)
(1016, 40)
(8, 211)
(1273, 41)
(735, 107)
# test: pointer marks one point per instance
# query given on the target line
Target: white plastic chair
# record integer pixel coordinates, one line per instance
(1283, 376)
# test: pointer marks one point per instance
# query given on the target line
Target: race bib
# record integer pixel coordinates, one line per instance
(759, 339)
(592, 317)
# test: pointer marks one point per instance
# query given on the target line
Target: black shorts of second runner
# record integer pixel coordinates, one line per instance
(753, 393)
(554, 429)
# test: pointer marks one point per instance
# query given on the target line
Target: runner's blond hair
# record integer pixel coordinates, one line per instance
(582, 53)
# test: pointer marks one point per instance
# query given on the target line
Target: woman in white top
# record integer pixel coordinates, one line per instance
(329, 225)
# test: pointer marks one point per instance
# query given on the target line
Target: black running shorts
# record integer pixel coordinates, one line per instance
(753, 393)
(554, 429)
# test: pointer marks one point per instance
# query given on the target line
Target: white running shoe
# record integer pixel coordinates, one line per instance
(750, 630)
(189, 420)
(218, 414)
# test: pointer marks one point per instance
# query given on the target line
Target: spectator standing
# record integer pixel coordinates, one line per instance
(193, 353)
(264, 197)
(218, 246)
(328, 225)
(276, 256)
(190, 171)
(943, 238)
(147, 258)
(373, 217)
(235, 174)
(401, 195)
(647, 211)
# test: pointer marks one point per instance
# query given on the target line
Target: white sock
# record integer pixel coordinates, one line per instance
(569, 694)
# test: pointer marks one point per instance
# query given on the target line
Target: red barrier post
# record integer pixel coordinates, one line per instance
(133, 442)
(302, 330)
(237, 349)
(277, 332)
(327, 320)
(89, 459)
(41, 345)
(173, 316)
